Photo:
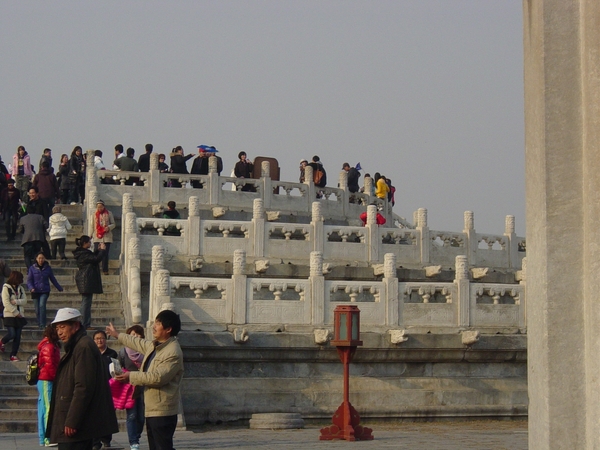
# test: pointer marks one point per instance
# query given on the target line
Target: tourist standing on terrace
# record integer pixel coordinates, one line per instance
(76, 171)
(10, 198)
(13, 297)
(128, 164)
(39, 276)
(163, 167)
(104, 223)
(160, 374)
(48, 359)
(63, 179)
(244, 169)
(118, 154)
(22, 171)
(88, 278)
(144, 160)
(178, 163)
(46, 157)
(303, 164)
(353, 176)
(381, 186)
(47, 185)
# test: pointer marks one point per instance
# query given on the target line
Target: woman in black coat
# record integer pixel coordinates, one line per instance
(88, 278)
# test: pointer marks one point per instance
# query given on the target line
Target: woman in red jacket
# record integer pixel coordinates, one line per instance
(48, 358)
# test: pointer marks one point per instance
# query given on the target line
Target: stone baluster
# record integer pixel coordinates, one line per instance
(393, 313)
(267, 184)
(259, 227)
(343, 180)
(423, 229)
(126, 207)
(158, 265)
(152, 186)
(471, 243)
(513, 244)
(368, 185)
(318, 227)
(90, 210)
(238, 282)
(134, 284)
(317, 282)
(461, 280)
(194, 236)
(373, 240)
(214, 186)
(308, 180)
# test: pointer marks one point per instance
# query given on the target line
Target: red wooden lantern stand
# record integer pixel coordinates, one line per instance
(346, 421)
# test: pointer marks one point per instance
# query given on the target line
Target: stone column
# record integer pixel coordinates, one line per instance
(258, 226)
(562, 145)
(214, 187)
(267, 185)
(134, 284)
(158, 264)
(461, 280)
(153, 185)
(317, 288)
(471, 243)
(390, 281)
(238, 283)
(317, 226)
(512, 244)
(194, 235)
(421, 224)
(373, 240)
(308, 180)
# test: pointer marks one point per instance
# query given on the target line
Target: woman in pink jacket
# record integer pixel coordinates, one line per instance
(21, 171)
(48, 359)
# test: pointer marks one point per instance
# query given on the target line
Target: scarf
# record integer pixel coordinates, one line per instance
(135, 357)
(101, 223)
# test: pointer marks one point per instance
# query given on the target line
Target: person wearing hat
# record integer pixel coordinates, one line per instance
(81, 408)
(104, 223)
(9, 206)
(201, 163)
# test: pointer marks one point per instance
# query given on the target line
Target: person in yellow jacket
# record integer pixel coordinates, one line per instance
(381, 187)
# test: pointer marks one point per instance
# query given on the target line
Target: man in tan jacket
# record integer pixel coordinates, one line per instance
(160, 375)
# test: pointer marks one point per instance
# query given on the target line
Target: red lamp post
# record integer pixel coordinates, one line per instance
(346, 421)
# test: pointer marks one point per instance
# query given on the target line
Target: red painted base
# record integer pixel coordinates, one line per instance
(346, 426)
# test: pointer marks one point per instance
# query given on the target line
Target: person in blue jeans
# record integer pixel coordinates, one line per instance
(39, 276)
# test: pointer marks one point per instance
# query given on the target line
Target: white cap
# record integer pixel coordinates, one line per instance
(65, 314)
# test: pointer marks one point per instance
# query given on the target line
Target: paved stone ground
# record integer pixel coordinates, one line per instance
(475, 435)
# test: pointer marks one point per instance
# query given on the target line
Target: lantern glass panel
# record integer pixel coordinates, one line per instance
(343, 327)
(355, 327)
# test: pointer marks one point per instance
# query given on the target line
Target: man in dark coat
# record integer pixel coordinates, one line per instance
(108, 354)
(88, 278)
(34, 237)
(36, 205)
(9, 205)
(144, 160)
(47, 185)
(81, 408)
(178, 163)
(46, 157)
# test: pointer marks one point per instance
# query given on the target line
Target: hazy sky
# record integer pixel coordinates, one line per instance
(429, 93)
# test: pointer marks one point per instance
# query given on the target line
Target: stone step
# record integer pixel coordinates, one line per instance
(18, 414)
(29, 402)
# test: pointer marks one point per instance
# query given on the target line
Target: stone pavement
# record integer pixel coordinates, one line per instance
(474, 435)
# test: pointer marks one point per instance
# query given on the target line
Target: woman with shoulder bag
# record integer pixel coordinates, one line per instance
(13, 297)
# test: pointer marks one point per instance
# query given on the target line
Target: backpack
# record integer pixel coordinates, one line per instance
(318, 175)
(33, 371)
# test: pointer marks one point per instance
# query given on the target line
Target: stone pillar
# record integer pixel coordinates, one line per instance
(562, 145)
(194, 235)
(512, 245)
(368, 185)
(308, 180)
(214, 187)
(153, 185)
(317, 288)
(390, 281)
(158, 264)
(238, 283)
(267, 186)
(134, 284)
(421, 223)
(318, 229)
(461, 280)
(373, 240)
(258, 226)
(471, 243)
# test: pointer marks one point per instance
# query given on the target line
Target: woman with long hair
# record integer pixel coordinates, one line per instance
(48, 359)
(22, 171)
(104, 223)
(75, 174)
(13, 297)
(88, 278)
(63, 179)
(39, 276)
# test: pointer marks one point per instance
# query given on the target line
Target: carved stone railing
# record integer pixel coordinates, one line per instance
(212, 304)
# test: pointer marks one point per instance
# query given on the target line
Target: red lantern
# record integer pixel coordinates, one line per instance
(346, 421)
